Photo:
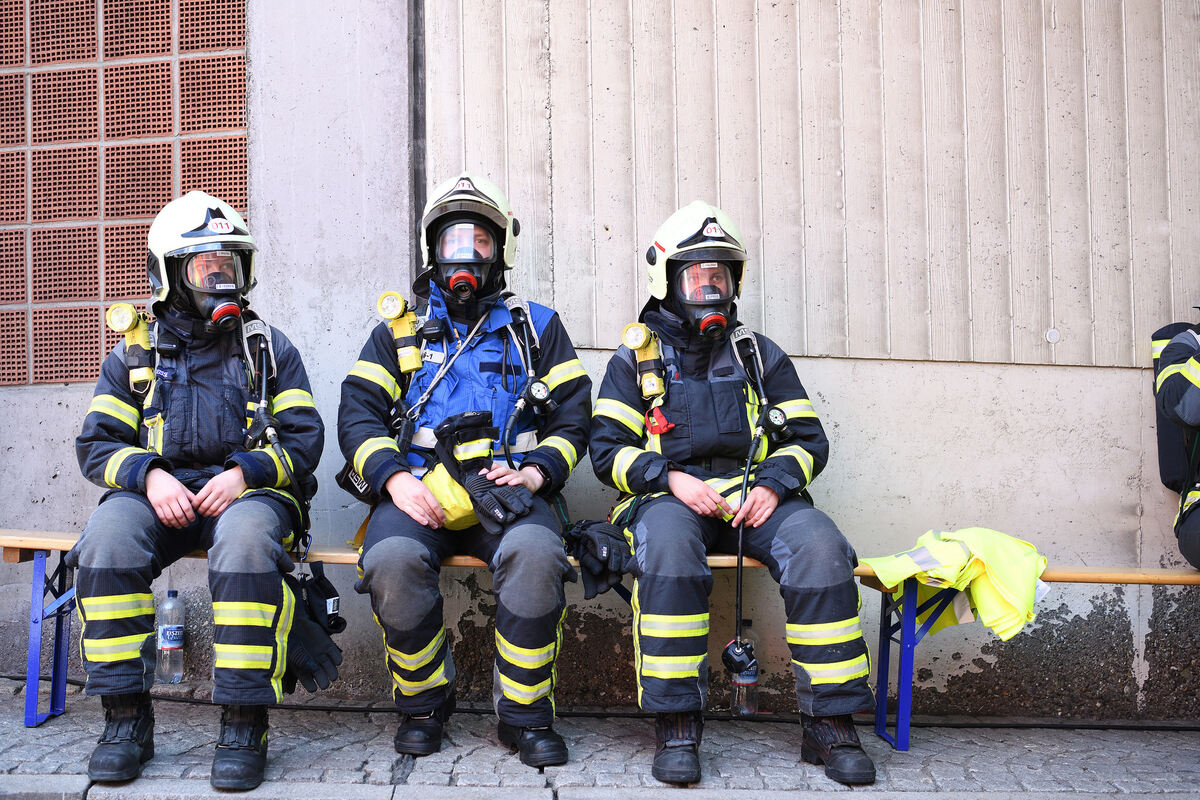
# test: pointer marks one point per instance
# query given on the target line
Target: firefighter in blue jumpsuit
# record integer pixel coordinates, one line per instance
(180, 477)
(678, 458)
(476, 350)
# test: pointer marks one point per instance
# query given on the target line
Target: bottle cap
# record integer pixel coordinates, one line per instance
(172, 593)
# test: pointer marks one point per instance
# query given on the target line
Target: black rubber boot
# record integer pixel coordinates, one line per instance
(421, 734)
(128, 738)
(537, 747)
(241, 756)
(677, 759)
(832, 741)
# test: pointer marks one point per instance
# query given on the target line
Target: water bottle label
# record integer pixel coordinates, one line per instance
(331, 605)
(170, 637)
(747, 678)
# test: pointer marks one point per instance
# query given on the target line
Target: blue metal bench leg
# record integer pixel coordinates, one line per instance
(897, 615)
(60, 609)
(883, 666)
(904, 679)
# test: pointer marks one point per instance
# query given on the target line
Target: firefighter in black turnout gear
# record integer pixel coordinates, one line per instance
(468, 442)
(1177, 395)
(166, 433)
(672, 428)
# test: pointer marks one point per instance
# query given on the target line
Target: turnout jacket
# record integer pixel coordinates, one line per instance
(193, 420)
(487, 376)
(713, 407)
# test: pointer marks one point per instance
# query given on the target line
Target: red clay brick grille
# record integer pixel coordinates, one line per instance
(12, 109)
(212, 94)
(12, 186)
(69, 342)
(62, 30)
(218, 166)
(66, 184)
(66, 264)
(65, 106)
(12, 33)
(12, 266)
(137, 179)
(14, 355)
(137, 28)
(211, 25)
(137, 100)
(125, 261)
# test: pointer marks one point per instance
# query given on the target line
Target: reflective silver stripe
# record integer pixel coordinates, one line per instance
(524, 657)
(522, 692)
(409, 688)
(524, 442)
(420, 658)
(923, 558)
(672, 625)
(837, 671)
(824, 633)
(564, 448)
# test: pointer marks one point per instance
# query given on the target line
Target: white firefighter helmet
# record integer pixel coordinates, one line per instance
(469, 194)
(697, 232)
(195, 223)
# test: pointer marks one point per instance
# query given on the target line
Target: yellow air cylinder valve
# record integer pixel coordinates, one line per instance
(402, 321)
(651, 372)
(124, 318)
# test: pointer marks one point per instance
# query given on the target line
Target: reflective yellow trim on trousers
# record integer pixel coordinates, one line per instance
(256, 615)
(118, 648)
(672, 626)
(797, 409)
(369, 448)
(621, 464)
(370, 371)
(523, 693)
(476, 448)
(561, 373)
(291, 398)
(622, 413)
(802, 456)
(282, 631)
(117, 606)
(115, 408)
(668, 667)
(846, 630)
(836, 671)
(525, 657)
(409, 688)
(116, 460)
(564, 448)
(419, 659)
(243, 656)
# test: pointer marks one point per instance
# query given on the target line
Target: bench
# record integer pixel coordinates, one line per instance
(897, 621)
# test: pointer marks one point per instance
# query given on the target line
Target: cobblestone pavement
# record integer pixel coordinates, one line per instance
(310, 750)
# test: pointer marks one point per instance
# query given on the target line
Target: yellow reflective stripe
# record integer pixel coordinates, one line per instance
(280, 475)
(116, 408)
(1166, 373)
(561, 373)
(795, 409)
(523, 693)
(621, 465)
(409, 688)
(565, 449)
(1191, 370)
(476, 448)
(118, 648)
(524, 657)
(672, 666)
(243, 656)
(369, 448)
(802, 456)
(116, 460)
(282, 631)
(846, 630)
(370, 371)
(836, 671)
(671, 626)
(258, 615)
(117, 606)
(421, 657)
(1156, 347)
(622, 413)
(291, 398)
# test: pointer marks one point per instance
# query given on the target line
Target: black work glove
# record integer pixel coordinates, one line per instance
(496, 507)
(603, 554)
(312, 656)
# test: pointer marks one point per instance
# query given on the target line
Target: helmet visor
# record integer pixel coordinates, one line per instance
(705, 282)
(466, 243)
(215, 272)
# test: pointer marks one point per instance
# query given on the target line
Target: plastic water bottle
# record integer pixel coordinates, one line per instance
(745, 683)
(170, 639)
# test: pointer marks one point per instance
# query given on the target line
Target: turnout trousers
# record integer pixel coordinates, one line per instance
(124, 548)
(399, 567)
(814, 566)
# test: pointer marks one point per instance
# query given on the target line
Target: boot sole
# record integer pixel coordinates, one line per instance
(418, 750)
(127, 775)
(666, 776)
(855, 778)
(237, 786)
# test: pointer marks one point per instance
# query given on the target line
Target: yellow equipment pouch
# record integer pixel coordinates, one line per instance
(455, 502)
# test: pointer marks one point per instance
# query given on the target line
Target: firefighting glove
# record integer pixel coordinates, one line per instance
(312, 656)
(464, 447)
(603, 554)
